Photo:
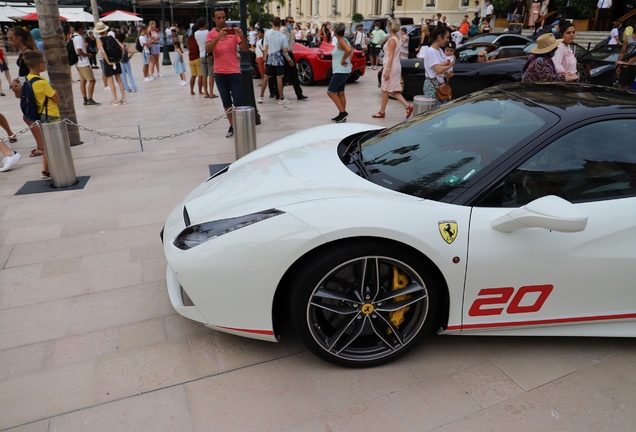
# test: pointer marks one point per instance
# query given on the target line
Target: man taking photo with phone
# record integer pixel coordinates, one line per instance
(222, 42)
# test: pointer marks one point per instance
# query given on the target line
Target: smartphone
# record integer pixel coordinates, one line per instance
(230, 31)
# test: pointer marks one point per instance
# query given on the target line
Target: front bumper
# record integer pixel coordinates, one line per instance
(229, 282)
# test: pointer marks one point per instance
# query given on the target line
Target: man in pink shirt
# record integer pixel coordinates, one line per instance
(222, 42)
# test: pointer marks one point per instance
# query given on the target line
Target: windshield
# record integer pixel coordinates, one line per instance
(607, 53)
(432, 155)
(489, 38)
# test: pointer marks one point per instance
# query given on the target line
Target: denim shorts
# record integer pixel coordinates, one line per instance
(337, 83)
(230, 89)
(146, 57)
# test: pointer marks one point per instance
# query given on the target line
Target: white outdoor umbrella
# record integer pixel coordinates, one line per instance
(5, 19)
(121, 16)
(8, 11)
(82, 16)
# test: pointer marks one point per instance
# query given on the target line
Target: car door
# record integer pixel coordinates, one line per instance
(519, 277)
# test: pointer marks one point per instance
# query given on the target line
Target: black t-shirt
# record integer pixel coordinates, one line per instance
(512, 7)
(23, 69)
(519, 8)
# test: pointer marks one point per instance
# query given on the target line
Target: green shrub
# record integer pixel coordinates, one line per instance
(357, 17)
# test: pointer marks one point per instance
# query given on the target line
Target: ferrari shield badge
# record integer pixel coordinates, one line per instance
(448, 230)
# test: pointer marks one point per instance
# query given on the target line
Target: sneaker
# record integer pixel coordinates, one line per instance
(160, 75)
(341, 117)
(230, 132)
(260, 99)
(9, 161)
(92, 102)
(45, 175)
(147, 79)
(129, 91)
(283, 102)
(272, 96)
(85, 101)
(107, 88)
(302, 97)
(134, 90)
(183, 83)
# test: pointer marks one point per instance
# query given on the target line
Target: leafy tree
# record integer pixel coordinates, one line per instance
(357, 17)
(579, 9)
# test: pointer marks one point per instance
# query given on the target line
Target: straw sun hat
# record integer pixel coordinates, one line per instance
(100, 27)
(545, 44)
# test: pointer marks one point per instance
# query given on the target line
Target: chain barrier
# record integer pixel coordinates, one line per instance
(115, 136)
(20, 132)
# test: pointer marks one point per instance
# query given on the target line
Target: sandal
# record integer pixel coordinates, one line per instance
(36, 152)
(123, 102)
(379, 115)
(214, 96)
(409, 111)
(45, 175)
(12, 139)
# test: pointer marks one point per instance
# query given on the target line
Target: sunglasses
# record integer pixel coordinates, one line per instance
(481, 56)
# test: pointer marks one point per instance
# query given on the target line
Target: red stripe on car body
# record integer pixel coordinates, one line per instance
(541, 322)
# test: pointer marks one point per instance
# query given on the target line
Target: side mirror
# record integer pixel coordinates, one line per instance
(549, 212)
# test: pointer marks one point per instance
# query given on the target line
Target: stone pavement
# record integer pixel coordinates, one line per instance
(90, 342)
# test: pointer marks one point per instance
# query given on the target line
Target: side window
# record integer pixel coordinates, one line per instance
(595, 162)
(507, 41)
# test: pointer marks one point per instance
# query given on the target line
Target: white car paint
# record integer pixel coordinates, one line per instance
(232, 279)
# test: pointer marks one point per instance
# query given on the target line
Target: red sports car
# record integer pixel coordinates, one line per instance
(314, 64)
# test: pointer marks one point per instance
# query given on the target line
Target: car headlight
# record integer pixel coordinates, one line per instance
(197, 234)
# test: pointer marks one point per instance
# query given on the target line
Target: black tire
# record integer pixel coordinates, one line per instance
(305, 73)
(348, 324)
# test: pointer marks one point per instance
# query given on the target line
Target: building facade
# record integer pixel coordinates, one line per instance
(343, 10)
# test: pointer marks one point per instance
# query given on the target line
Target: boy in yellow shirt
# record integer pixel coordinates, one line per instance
(46, 98)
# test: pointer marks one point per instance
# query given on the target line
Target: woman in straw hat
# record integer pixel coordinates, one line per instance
(112, 66)
(540, 67)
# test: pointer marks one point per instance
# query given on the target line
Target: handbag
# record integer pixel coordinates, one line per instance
(444, 91)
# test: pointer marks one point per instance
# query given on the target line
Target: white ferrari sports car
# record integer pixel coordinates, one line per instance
(511, 211)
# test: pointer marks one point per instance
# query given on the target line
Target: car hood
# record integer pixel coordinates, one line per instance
(300, 167)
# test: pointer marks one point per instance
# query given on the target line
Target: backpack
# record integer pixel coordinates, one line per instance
(112, 49)
(138, 46)
(27, 100)
(473, 30)
(73, 58)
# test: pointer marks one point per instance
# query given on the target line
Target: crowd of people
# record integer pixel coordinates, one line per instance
(213, 61)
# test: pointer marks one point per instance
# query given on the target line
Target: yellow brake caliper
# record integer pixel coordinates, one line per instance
(400, 280)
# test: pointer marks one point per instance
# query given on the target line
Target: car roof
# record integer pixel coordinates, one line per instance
(559, 97)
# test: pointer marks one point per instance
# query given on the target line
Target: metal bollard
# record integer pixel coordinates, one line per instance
(58, 154)
(244, 130)
(422, 104)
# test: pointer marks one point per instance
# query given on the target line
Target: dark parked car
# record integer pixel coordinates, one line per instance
(595, 67)
(601, 62)
(499, 39)
(468, 76)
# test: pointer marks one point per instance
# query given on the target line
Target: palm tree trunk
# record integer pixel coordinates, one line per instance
(57, 61)
(95, 11)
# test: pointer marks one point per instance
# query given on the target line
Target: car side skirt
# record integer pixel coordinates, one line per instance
(616, 325)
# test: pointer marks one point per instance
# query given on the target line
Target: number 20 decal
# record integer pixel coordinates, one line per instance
(501, 297)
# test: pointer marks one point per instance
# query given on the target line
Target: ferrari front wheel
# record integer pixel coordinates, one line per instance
(305, 73)
(363, 304)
